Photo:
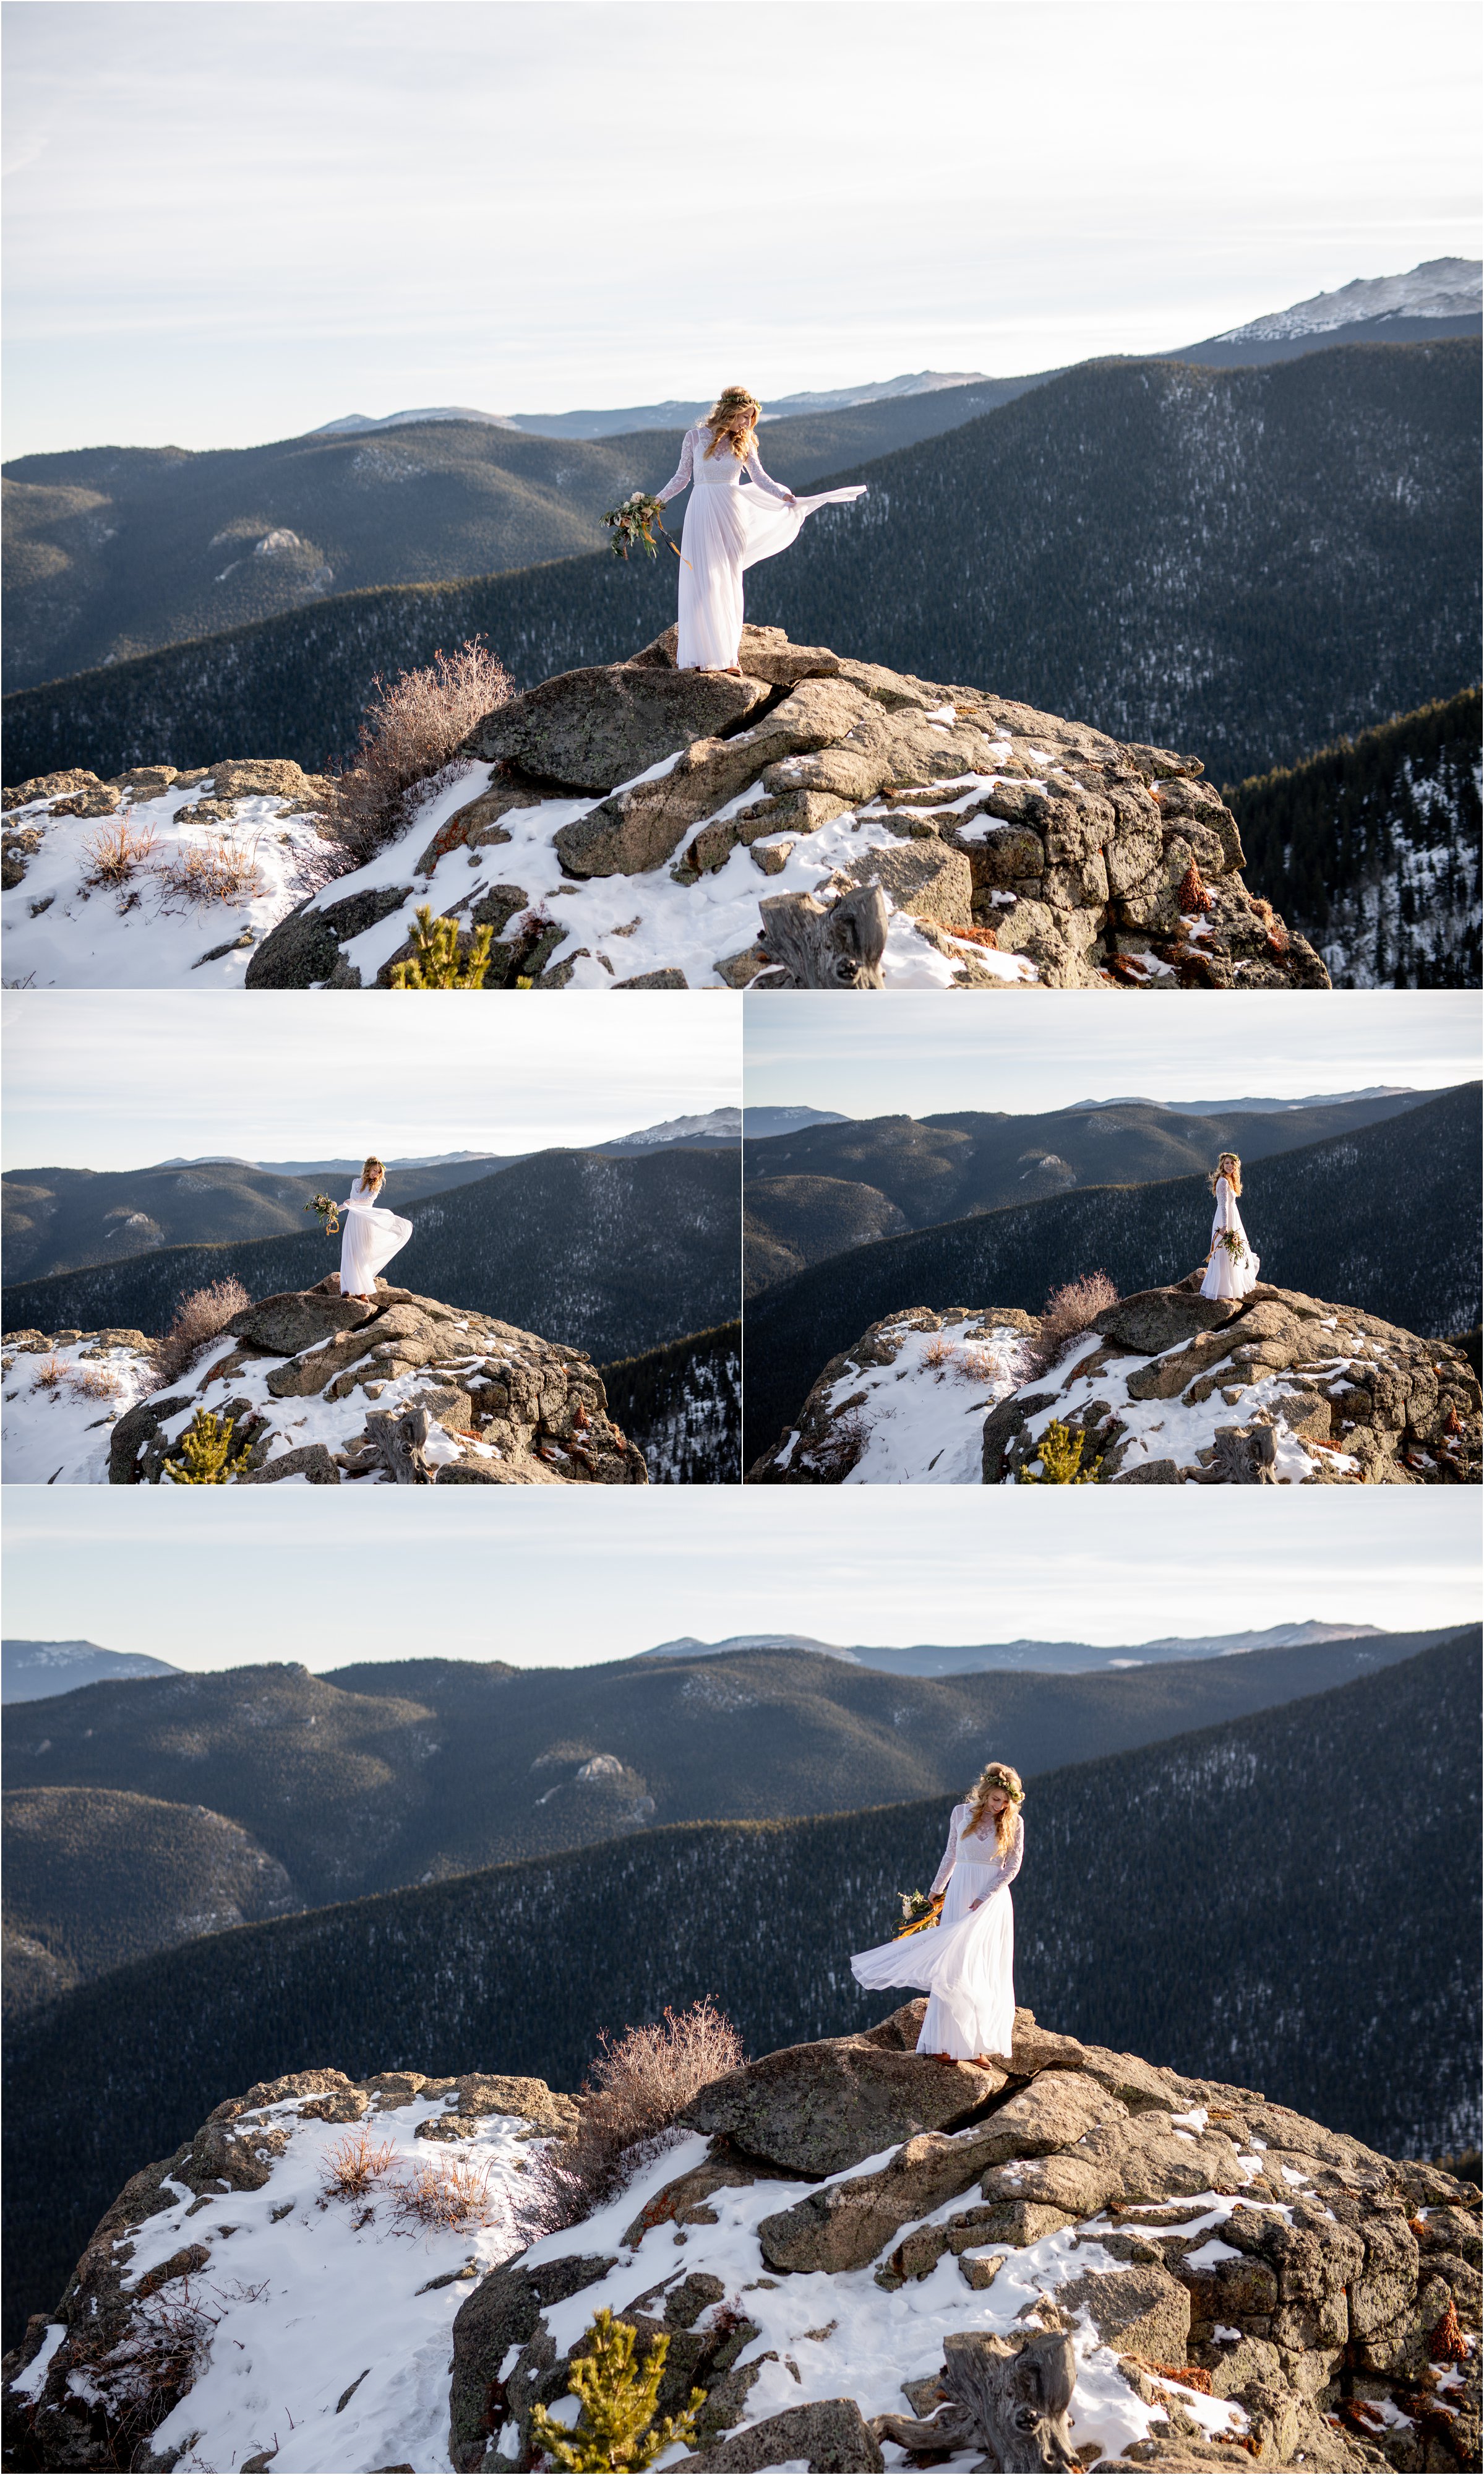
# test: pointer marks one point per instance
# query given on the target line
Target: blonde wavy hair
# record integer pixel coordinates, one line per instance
(995, 1775)
(733, 423)
(1230, 1167)
(373, 1173)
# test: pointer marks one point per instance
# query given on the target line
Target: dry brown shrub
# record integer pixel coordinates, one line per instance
(1072, 1311)
(197, 1319)
(978, 1361)
(939, 1353)
(52, 1373)
(95, 1383)
(413, 727)
(116, 850)
(214, 871)
(838, 1449)
(452, 2192)
(353, 2167)
(628, 2105)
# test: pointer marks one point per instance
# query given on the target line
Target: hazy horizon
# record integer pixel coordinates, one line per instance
(588, 1578)
(163, 293)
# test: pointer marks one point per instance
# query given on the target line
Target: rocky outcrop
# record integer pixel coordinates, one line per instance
(1007, 847)
(906, 1402)
(1168, 1389)
(219, 789)
(396, 1390)
(1243, 2275)
(1120, 2265)
(89, 2386)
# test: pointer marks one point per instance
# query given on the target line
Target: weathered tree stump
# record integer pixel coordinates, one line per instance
(400, 1438)
(1007, 2396)
(827, 945)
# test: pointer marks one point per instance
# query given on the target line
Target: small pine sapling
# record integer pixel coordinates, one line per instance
(617, 2428)
(435, 962)
(207, 1457)
(1061, 1460)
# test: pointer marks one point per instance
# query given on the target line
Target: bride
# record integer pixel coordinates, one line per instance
(370, 1237)
(728, 529)
(965, 1963)
(1231, 1267)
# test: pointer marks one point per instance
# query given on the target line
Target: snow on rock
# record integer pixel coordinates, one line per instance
(1168, 1389)
(297, 2319)
(906, 1406)
(233, 2310)
(320, 1391)
(625, 825)
(211, 861)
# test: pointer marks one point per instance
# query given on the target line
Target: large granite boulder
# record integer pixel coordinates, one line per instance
(589, 730)
(817, 2108)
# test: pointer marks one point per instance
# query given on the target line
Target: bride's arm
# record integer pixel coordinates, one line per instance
(941, 1878)
(764, 481)
(683, 472)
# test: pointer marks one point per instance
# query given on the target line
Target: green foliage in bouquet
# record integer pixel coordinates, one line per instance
(635, 525)
(617, 2428)
(435, 962)
(920, 1910)
(1232, 1244)
(328, 1210)
(1061, 1460)
(207, 1457)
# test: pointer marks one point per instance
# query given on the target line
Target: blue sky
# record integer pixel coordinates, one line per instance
(593, 1575)
(232, 222)
(920, 1056)
(103, 1079)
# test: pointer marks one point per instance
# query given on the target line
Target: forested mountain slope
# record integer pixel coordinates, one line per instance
(1247, 562)
(60, 1219)
(1385, 1219)
(1371, 847)
(612, 1253)
(681, 1403)
(1315, 1956)
(113, 551)
(392, 1772)
(816, 1191)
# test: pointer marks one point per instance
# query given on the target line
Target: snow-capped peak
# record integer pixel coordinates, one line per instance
(716, 1125)
(1441, 287)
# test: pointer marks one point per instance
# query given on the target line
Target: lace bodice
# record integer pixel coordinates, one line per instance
(721, 470)
(979, 1856)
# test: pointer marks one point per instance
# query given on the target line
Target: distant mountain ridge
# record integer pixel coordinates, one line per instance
(33, 1670)
(828, 1189)
(1042, 1657)
(1114, 590)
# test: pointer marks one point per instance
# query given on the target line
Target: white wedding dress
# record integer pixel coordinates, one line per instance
(726, 530)
(965, 1963)
(1228, 1275)
(369, 1238)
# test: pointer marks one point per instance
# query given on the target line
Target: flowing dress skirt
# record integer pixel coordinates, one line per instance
(727, 529)
(369, 1238)
(967, 1971)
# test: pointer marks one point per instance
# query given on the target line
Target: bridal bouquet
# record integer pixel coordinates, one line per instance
(633, 525)
(329, 1212)
(1232, 1243)
(920, 1910)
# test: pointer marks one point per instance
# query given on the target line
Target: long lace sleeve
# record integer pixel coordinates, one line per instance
(753, 468)
(1016, 1855)
(685, 469)
(941, 1878)
(1222, 1214)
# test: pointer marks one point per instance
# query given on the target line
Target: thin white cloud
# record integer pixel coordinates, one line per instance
(228, 223)
(115, 1080)
(593, 1576)
(918, 1058)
